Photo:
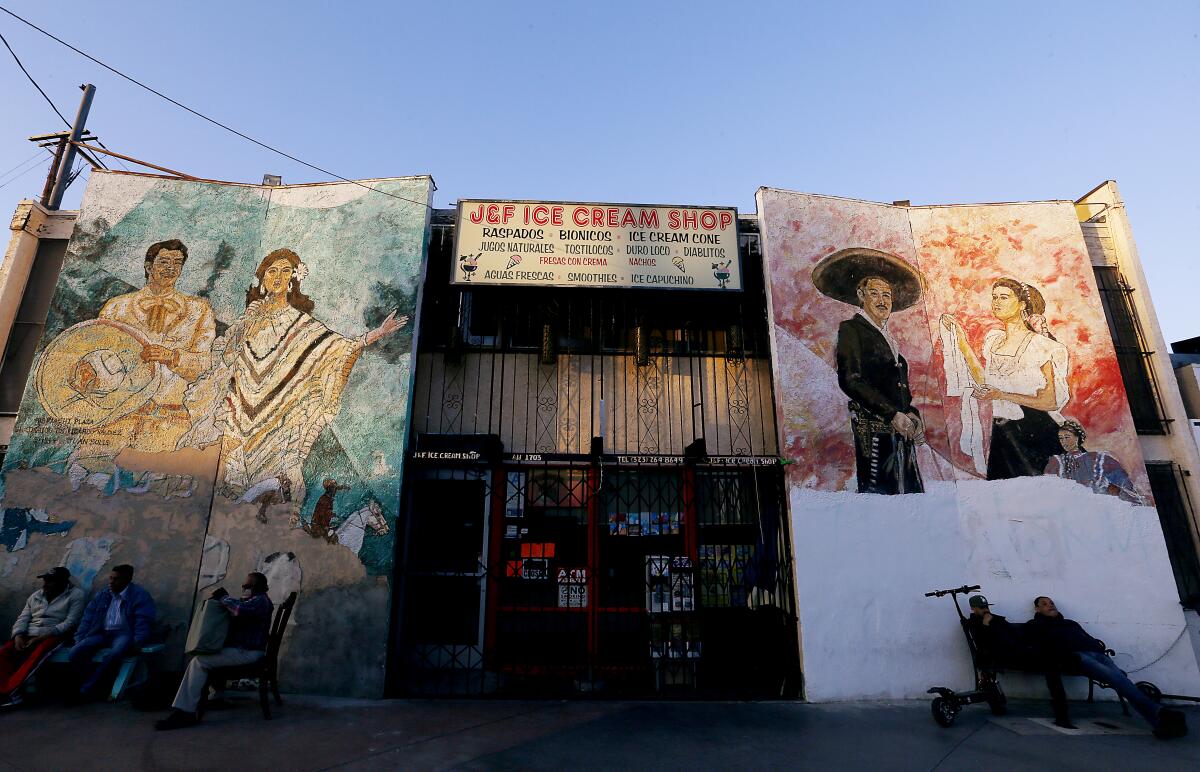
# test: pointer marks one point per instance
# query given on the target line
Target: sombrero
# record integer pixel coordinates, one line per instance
(92, 374)
(839, 274)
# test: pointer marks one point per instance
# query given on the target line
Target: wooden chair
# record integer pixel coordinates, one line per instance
(265, 669)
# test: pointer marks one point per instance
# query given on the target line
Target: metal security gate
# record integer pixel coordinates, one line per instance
(596, 579)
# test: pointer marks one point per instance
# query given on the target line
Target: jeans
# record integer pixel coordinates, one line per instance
(1098, 665)
(118, 642)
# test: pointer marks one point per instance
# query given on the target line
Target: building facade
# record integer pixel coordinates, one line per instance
(631, 451)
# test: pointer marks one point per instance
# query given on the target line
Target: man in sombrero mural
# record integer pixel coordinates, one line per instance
(872, 372)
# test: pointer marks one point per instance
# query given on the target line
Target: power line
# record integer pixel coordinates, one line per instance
(27, 170)
(22, 163)
(26, 166)
(49, 101)
(202, 116)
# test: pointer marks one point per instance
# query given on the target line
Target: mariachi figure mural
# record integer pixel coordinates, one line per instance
(121, 377)
(225, 374)
(974, 330)
(871, 370)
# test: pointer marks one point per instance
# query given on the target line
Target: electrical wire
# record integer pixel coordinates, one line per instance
(27, 170)
(23, 169)
(45, 96)
(202, 116)
(22, 163)
(49, 101)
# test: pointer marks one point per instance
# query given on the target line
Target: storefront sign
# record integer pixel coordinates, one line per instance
(557, 244)
(572, 588)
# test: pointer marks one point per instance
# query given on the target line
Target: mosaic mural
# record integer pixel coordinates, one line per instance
(223, 387)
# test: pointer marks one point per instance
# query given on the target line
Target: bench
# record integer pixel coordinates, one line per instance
(132, 672)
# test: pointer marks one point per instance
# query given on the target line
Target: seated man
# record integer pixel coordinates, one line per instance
(1003, 645)
(119, 618)
(1065, 641)
(49, 617)
(245, 643)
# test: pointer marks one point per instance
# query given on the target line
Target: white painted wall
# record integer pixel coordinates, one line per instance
(864, 562)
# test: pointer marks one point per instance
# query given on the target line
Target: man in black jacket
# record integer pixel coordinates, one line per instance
(1065, 641)
(1002, 644)
(874, 375)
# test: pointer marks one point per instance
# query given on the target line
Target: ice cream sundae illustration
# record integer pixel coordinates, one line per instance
(678, 263)
(514, 260)
(721, 272)
(469, 264)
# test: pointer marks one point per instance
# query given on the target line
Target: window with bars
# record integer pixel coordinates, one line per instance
(1178, 518)
(1133, 355)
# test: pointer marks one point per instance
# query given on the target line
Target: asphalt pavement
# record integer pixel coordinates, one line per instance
(314, 733)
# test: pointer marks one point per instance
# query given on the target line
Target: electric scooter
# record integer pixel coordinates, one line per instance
(947, 705)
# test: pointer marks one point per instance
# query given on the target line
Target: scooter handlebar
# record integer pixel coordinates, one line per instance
(955, 591)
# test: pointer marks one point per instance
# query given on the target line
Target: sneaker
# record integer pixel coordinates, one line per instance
(10, 701)
(179, 719)
(1171, 724)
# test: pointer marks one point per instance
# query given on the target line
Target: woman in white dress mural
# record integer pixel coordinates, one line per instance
(1023, 373)
(285, 372)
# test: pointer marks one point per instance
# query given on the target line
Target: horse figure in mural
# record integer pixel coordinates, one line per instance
(353, 530)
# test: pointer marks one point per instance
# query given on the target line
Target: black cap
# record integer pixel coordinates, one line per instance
(60, 573)
(978, 601)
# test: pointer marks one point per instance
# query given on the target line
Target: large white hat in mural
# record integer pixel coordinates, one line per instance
(93, 373)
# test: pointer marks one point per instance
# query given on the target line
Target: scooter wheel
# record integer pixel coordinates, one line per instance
(944, 711)
(1150, 690)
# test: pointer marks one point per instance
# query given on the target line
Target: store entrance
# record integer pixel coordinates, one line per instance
(598, 580)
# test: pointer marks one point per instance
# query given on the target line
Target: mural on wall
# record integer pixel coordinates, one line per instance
(223, 384)
(961, 343)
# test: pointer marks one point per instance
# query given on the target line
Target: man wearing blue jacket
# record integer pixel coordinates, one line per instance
(119, 618)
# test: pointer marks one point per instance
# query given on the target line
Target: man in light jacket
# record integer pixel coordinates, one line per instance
(119, 618)
(49, 617)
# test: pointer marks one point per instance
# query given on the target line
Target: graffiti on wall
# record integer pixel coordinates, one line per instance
(223, 387)
(926, 345)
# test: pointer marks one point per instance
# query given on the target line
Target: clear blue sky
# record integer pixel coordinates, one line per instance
(689, 102)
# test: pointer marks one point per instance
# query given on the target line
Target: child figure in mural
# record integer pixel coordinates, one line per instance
(285, 372)
(872, 372)
(1098, 470)
(123, 375)
(1023, 374)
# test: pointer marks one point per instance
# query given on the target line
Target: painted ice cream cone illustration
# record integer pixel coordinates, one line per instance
(514, 260)
(678, 263)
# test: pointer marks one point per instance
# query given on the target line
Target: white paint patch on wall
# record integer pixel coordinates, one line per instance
(864, 562)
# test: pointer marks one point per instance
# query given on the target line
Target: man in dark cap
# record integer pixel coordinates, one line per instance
(1002, 644)
(48, 618)
(871, 370)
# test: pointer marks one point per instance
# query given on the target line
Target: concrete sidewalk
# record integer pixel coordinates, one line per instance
(312, 733)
